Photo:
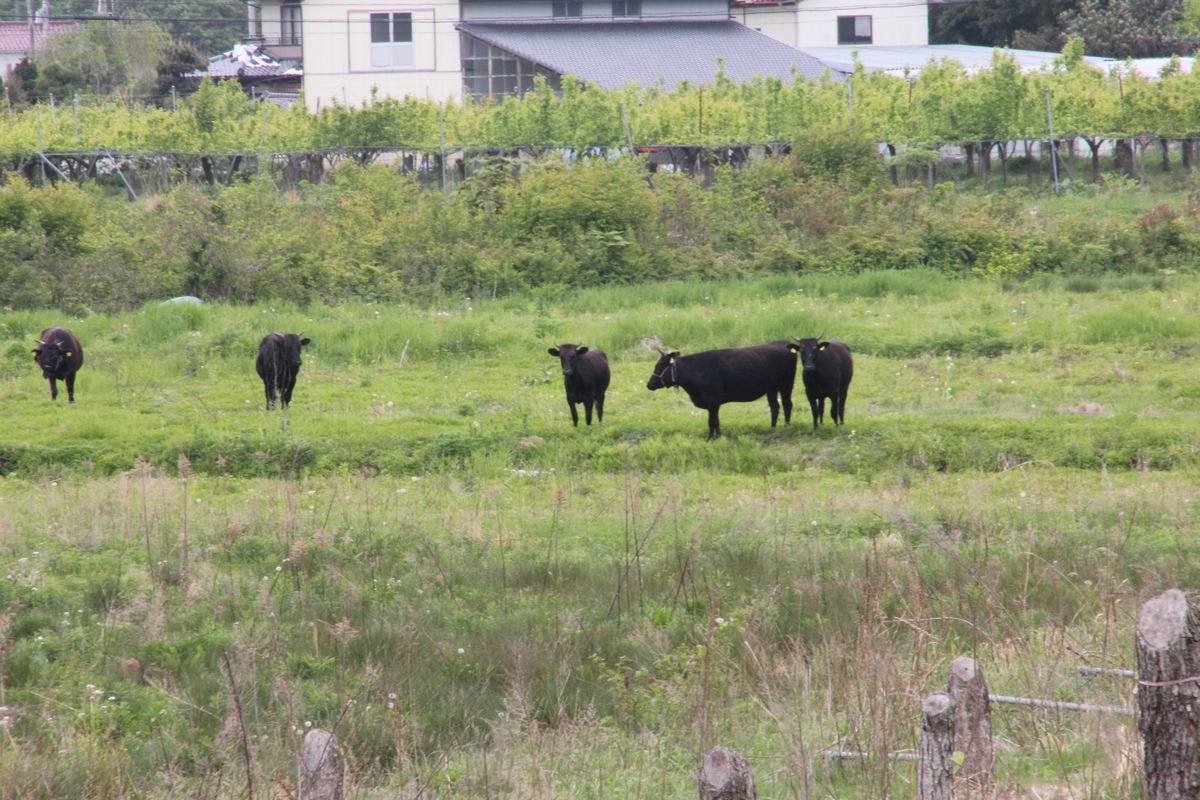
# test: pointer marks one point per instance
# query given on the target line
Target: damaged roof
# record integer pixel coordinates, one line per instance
(248, 61)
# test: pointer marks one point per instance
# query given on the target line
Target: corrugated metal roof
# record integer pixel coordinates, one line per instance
(14, 36)
(878, 58)
(610, 54)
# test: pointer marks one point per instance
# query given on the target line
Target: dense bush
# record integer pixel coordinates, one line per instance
(373, 234)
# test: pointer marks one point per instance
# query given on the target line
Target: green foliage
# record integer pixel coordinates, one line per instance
(917, 112)
(372, 234)
(101, 60)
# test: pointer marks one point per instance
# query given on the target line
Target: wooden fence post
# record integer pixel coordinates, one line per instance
(725, 775)
(972, 724)
(320, 767)
(934, 781)
(1168, 654)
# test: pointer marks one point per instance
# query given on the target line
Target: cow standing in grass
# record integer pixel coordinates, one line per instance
(736, 375)
(585, 377)
(827, 370)
(278, 365)
(60, 355)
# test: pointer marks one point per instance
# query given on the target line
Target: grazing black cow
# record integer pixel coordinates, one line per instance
(585, 377)
(827, 370)
(60, 355)
(278, 365)
(735, 375)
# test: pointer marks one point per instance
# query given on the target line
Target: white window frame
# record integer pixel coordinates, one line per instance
(566, 7)
(291, 23)
(391, 50)
(626, 9)
(864, 30)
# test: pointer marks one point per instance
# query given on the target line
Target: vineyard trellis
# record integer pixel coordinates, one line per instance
(219, 133)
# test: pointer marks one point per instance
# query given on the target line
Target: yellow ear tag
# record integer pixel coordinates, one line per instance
(69, 354)
(671, 360)
(822, 347)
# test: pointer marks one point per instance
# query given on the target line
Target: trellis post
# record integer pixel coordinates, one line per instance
(972, 724)
(726, 775)
(1168, 654)
(321, 769)
(934, 780)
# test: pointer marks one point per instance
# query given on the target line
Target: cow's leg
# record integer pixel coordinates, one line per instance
(269, 391)
(787, 407)
(600, 408)
(821, 408)
(812, 403)
(53, 389)
(70, 381)
(574, 413)
(714, 423)
(587, 410)
(841, 401)
(773, 402)
(285, 392)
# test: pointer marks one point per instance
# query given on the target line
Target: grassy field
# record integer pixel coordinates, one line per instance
(423, 555)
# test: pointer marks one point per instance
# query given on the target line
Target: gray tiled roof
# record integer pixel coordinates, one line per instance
(661, 53)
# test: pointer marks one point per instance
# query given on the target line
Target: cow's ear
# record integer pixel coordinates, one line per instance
(305, 341)
(69, 354)
(671, 356)
(793, 349)
(580, 350)
(822, 345)
(36, 353)
(553, 351)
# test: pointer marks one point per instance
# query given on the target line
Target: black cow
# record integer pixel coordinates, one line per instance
(585, 377)
(278, 365)
(735, 375)
(60, 355)
(827, 370)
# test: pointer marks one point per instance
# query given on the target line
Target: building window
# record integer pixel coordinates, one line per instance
(491, 72)
(854, 30)
(391, 40)
(567, 9)
(289, 18)
(626, 8)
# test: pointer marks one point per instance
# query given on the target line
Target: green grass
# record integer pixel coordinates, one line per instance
(483, 601)
(969, 373)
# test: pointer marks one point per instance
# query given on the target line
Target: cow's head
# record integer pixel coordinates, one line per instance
(292, 342)
(806, 351)
(664, 371)
(52, 355)
(568, 354)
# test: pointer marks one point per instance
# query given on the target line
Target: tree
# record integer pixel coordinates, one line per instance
(101, 60)
(211, 26)
(994, 24)
(1131, 28)
(22, 82)
(177, 61)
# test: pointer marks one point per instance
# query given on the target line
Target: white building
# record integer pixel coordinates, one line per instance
(444, 49)
(832, 23)
(447, 49)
